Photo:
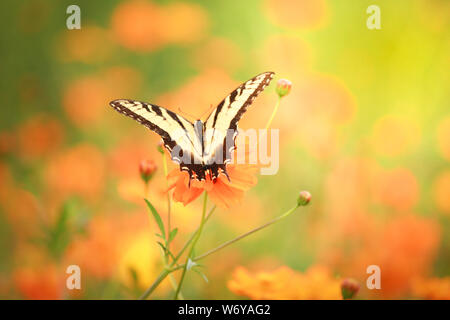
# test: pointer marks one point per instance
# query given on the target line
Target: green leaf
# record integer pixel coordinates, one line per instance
(201, 274)
(172, 234)
(162, 246)
(134, 276)
(157, 218)
(165, 250)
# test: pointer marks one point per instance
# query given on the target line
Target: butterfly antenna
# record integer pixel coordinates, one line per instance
(186, 114)
(207, 111)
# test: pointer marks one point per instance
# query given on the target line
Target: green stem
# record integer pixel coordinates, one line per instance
(186, 245)
(157, 281)
(227, 243)
(194, 242)
(274, 112)
(163, 274)
(169, 203)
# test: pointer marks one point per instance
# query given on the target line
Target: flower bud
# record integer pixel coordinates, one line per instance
(349, 288)
(304, 197)
(160, 147)
(283, 87)
(147, 168)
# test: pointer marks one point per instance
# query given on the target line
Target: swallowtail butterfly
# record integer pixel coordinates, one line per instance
(202, 148)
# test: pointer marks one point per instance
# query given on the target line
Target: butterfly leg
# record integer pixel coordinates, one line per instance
(224, 171)
(190, 177)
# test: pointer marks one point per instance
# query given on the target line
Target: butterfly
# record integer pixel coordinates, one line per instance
(203, 149)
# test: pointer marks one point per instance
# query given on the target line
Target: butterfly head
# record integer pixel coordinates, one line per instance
(198, 124)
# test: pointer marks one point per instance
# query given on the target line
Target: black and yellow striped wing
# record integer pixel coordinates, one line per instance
(178, 134)
(222, 122)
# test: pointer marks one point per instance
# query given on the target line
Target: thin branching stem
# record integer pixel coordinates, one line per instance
(172, 267)
(158, 280)
(169, 202)
(227, 243)
(194, 242)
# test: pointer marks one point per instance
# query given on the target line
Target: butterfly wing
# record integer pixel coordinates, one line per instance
(178, 134)
(222, 122)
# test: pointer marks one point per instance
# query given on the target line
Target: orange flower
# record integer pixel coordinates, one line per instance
(404, 248)
(432, 288)
(137, 25)
(79, 170)
(39, 283)
(284, 283)
(144, 26)
(297, 14)
(397, 188)
(224, 193)
(39, 135)
(214, 84)
(6, 142)
(22, 212)
(96, 253)
(84, 98)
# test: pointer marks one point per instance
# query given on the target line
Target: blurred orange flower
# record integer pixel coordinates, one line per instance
(297, 13)
(79, 170)
(101, 251)
(441, 188)
(39, 136)
(404, 248)
(397, 188)
(39, 283)
(431, 288)
(144, 26)
(222, 192)
(284, 283)
(22, 211)
(7, 142)
(125, 157)
(136, 25)
(177, 16)
(85, 99)
(97, 252)
(199, 93)
(407, 249)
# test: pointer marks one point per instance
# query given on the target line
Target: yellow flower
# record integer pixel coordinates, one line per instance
(284, 283)
(432, 288)
(141, 256)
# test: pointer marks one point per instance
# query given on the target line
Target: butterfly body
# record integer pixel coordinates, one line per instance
(203, 149)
